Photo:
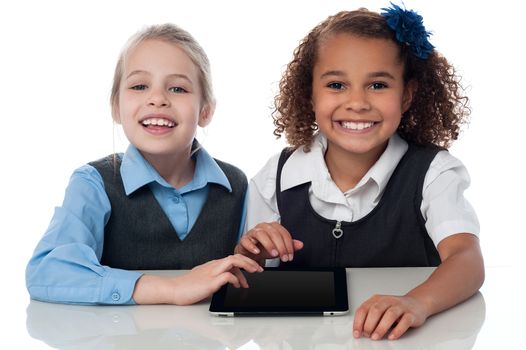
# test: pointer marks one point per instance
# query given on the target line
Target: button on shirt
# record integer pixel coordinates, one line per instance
(444, 207)
(65, 265)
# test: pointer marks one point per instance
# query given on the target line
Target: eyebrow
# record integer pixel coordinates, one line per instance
(338, 73)
(174, 75)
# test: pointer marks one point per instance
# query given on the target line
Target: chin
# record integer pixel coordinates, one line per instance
(362, 148)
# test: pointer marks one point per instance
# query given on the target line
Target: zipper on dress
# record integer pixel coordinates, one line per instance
(337, 231)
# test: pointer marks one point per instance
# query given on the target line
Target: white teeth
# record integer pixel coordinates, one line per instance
(158, 122)
(356, 126)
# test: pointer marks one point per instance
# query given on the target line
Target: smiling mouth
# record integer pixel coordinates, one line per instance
(158, 122)
(356, 125)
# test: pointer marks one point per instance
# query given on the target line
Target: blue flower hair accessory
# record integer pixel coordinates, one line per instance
(409, 29)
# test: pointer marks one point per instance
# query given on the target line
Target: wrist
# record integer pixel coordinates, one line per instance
(424, 302)
(151, 289)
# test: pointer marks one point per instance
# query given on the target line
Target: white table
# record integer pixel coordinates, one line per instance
(192, 327)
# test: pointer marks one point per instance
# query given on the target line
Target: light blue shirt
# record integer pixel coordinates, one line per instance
(65, 266)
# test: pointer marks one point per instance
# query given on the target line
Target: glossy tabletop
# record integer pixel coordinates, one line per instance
(466, 326)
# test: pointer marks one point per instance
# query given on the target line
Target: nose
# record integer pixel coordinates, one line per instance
(357, 101)
(158, 98)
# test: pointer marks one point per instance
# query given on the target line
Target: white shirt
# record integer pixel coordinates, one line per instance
(443, 207)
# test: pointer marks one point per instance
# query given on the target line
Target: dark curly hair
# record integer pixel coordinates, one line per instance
(438, 108)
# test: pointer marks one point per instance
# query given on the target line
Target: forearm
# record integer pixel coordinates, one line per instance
(72, 274)
(151, 289)
(459, 276)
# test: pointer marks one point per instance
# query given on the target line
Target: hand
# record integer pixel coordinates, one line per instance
(198, 284)
(268, 241)
(377, 315)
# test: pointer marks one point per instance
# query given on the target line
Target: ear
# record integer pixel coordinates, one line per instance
(206, 115)
(410, 90)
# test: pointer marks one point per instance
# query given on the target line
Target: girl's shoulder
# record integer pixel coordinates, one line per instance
(87, 173)
(236, 177)
(230, 168)
(89, 177)
(265, 179)
(268, 171)
(445, 163)
(86, 190)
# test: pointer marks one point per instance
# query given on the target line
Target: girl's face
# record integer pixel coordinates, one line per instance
(159, 104)
(358, 93)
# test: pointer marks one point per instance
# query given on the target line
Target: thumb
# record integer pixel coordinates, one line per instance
(297, 244)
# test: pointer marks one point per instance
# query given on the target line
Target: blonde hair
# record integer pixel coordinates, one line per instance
(172, 34)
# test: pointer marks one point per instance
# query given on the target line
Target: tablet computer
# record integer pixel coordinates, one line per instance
(285, 291)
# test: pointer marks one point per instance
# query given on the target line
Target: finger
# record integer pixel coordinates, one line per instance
(359, 320)
(249, 244)
(262, 233)
(237, 260)
(281, 239)
(228, 277)
(406, 321)
(297, 244)
(288, 254)
(375, 314)
(390, 316)
(241, 277)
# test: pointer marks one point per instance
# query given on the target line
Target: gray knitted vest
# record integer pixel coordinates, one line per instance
(139, 235)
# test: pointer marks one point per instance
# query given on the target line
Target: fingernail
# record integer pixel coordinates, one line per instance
(274, 252)
(366, 335)
(356, 334)
(375, 336)
(291, 257)
(256, 250)
(391, 336)
(285, 258)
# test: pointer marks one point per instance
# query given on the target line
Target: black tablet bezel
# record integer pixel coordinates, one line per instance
(341, 297)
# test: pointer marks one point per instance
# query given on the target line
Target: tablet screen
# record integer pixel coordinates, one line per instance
(285, 291)
(284, 288)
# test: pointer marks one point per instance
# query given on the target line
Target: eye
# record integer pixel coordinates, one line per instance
(138, 87)
(177, 89)
(336, 86)
(378, 86)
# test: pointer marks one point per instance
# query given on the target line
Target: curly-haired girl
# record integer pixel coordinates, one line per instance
(369, 108)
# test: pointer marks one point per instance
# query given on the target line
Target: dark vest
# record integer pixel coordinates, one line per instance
(393, 234)
(139, 235)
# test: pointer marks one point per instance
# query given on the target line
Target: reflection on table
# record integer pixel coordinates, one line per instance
(191, 327)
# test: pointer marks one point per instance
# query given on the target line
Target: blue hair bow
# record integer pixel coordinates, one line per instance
(409, 29)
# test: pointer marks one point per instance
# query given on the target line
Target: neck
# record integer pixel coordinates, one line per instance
(346, 168)
(177, 169)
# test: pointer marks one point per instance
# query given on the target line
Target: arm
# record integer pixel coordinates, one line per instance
(201, 282)
(458, 277)
(461, 271)
(65, 265)
(66, 268)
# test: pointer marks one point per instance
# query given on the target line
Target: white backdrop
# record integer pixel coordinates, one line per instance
(57, 63)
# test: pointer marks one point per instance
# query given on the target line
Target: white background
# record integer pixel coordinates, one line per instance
(57, 60)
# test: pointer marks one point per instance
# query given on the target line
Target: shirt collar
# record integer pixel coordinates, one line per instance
(137, 172)
(384, 167)
(207, 171)
(303, 167)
